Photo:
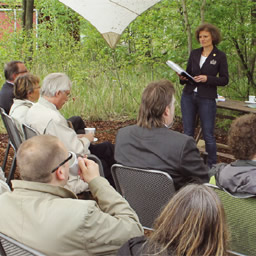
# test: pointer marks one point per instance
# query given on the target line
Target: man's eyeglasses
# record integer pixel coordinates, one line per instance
(68, 94)
(62, 163)
(22, 71)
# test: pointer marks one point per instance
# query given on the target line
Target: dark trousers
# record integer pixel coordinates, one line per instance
(191, 105)
(78, 124)
(105, 152)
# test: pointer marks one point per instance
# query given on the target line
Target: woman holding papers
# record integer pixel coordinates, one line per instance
(208, 66)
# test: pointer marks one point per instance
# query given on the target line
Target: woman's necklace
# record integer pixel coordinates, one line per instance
(206, 52)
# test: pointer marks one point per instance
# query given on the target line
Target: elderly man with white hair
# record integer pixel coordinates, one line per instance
(44, 116)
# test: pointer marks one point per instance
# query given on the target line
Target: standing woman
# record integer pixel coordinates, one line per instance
(209, 68)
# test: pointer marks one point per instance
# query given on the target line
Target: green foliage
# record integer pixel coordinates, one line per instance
(108, 83)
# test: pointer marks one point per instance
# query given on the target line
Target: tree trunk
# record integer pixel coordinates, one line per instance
(27, 16)
(202, 9)
(187, 25)
(252, 58)
(24, 13)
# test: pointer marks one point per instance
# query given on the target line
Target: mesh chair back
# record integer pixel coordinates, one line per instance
(97, 161)
(240, 214)
(11, 247)
(147, 191)
(8, 146)
(29, 132)
(14, 140)
(12, 130)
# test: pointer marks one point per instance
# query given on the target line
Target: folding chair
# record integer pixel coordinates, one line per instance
(15, 141)
(28, 131)
(147, 191)
(11, 247)
(240, 214)
(8, 146)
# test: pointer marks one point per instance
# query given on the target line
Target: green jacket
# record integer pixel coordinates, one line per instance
(53, 221)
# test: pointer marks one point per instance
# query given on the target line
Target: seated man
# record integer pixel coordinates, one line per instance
(151, 144)
(49, 218)
(12, 70)
(240, 175)
(44, 116)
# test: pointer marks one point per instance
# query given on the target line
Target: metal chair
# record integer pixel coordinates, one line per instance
(147, 191)
(8, 145)
(14, 140)
(11, 247)
(28, 131)
(240, 214)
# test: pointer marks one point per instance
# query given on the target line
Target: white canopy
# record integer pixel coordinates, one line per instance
(110, 17)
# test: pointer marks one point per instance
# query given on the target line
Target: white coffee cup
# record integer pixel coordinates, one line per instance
(252, 98)
(73, 165)
(89, 130)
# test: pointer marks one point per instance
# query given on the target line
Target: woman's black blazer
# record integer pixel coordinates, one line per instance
(215, 64)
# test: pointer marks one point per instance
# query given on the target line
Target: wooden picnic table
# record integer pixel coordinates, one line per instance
(236, 105)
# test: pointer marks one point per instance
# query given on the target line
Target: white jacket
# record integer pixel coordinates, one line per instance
(44, 117)
(18, 112)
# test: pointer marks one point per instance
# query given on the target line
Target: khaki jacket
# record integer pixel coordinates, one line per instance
(52, 220)
(44, 117)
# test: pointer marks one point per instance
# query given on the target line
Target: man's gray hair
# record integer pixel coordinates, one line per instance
(55, 82)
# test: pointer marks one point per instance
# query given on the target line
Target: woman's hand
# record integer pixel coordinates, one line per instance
(182, 77)
(200, 79)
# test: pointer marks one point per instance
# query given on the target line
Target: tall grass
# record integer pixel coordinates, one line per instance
(112, 94)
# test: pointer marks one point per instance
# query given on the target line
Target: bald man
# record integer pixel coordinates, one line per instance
(42, 214)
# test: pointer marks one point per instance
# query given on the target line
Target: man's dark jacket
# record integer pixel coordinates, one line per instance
(6, 97)
(161, 149)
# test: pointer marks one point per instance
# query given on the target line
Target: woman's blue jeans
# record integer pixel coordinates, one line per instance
(191, 105)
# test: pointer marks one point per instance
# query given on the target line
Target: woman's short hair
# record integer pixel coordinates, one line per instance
(38, 156)
(55, 82)
(155, 98)
(242, 137)
(192, 223)
(24, 84)
(215, 32)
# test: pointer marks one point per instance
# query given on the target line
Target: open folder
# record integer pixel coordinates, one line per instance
(179, 70)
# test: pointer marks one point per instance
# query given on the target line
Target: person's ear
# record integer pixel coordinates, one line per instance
(166, 111)
(14, 76)
(60, 173)
(57, 93)
(29, 95)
